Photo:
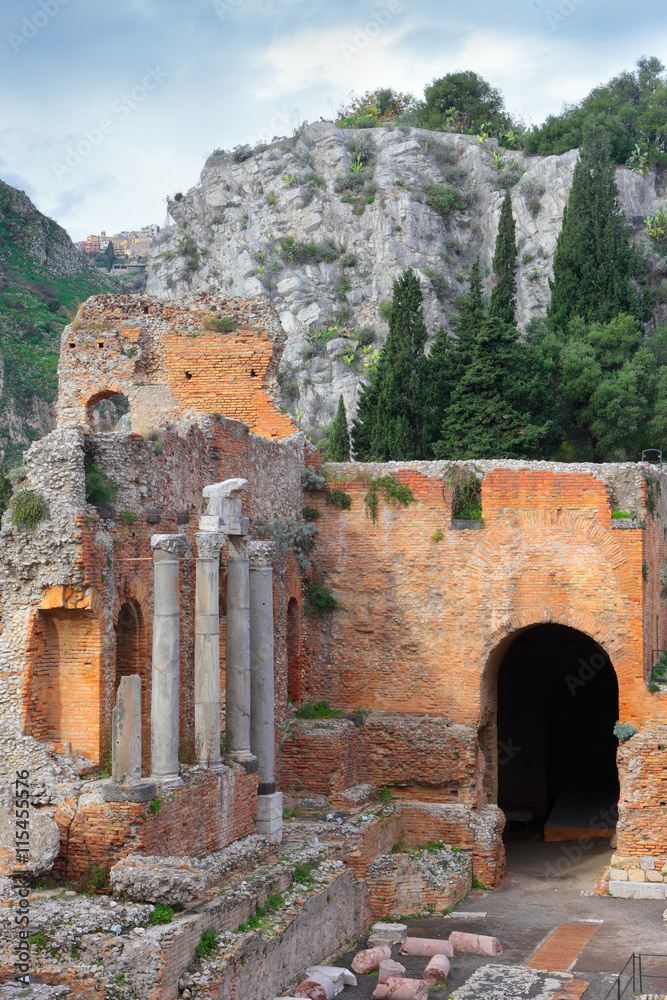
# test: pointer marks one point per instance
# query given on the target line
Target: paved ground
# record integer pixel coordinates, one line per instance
(546, 885)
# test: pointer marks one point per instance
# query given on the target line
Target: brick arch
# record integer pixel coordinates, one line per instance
(492, 650)
(111, 389)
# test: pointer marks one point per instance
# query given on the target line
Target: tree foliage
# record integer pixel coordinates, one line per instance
(593, 261)
(389, 424)
(503, 296)
(339, 436)
(632, 107)
(464, 102)
(382, 106)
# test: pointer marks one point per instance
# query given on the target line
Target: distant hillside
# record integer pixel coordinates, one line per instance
(43, 278)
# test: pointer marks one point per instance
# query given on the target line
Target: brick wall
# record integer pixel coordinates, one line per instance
(642, 827)
(206, 813)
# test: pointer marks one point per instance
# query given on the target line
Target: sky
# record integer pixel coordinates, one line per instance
(108, 106)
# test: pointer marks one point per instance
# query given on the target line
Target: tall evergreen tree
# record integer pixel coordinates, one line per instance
(470, 319)
(593, 260)
(339, 436)
(390, 424)
(500, 407)
(503, 296)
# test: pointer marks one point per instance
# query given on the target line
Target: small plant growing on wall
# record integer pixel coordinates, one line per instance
(28, 509)
(338, 498)
(466, 502)
(395, 493)
(127, 517)
(310, 513)
(623, 731)
(319, 599)
(100, 487)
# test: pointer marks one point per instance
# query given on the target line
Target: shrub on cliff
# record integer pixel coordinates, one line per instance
(632, 107)
(464, 102)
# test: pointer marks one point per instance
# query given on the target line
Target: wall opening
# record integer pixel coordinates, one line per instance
(65, 686)
(108, 411)
(132, 658)
(294, 686)
(557, 702)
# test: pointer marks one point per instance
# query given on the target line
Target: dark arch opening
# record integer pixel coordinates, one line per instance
(131, 658)
(557, 705)
(293, 652)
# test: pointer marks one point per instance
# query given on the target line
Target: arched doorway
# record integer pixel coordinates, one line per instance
(293, 652)
(131, 658)
(108, 411)
(557, 702)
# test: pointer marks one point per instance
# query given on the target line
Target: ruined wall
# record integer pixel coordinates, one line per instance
(205, 354)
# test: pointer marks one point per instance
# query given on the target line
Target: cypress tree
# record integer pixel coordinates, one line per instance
(339, 437)
(593, 258)
(500, 407)
(471, 317)
(503, 296)
(390, 418)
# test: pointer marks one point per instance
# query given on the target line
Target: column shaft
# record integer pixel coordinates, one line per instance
(166, 666)
(238, 648)
(262, 725)
(207, 649)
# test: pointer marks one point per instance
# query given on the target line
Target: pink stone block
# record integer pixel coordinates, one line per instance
(437, 970)
(475, 944)
(388, 967)
(369, 960)
(427, 947)
(314, 990)
(401, 989)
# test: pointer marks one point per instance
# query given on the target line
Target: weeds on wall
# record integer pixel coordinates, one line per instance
(319, 599)
(208, 943)
(290, 532)
(318, 710)
(127, 518)
(338, 498)
(310, 513)
(100, 486)
(466, 487)
(395, 493)
(311, 481)
(623, 731)
(28, 509)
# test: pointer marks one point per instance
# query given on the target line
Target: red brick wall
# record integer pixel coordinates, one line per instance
(642, 827)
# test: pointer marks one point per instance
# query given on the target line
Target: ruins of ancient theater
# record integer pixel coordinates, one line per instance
(479, 666)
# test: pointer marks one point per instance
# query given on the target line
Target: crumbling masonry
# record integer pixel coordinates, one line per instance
(166, 605)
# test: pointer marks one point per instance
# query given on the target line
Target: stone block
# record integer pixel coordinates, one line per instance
(44, 842)
(475, 944)
(390, 969)
(636, 875)
(637, 890)
(126, 731)
(388, 933)
(653, 876)
(401, 989)
(158, 880)
(369, 960)
(623, 861)
(270, 817)
(647, 864)
(618, 874)
(427, 947)
(141, 791)
(437, 970)
(339, 977)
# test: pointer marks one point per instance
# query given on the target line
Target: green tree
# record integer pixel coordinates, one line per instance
(390, 424)
(613, 385)
(339, 436)
(500, 408)
(470, 318)
(5, 490)
(503, 296)
(593, 260)
(632, 107)
(465, 101)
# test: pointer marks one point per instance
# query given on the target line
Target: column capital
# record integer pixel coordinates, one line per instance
(174, 544)
(261, 554)
(209, 544)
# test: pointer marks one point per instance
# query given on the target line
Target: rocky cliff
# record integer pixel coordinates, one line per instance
(325, 222)
(42, 280)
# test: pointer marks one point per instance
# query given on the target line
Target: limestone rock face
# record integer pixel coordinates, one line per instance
(157, 880)
(228, 228)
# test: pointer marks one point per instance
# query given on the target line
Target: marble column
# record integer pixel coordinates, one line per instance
(225, 513)
(207, 649)
(166, 657)
(126, 731)
(262, 714)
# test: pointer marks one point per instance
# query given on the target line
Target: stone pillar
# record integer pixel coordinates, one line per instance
(262, 715)
(126, 784)
(126, 731)
(207, 649)
(225, 514)
(166, 658)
